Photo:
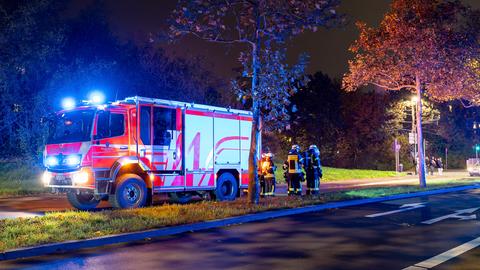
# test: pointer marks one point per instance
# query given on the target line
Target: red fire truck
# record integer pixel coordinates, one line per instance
(126, 151)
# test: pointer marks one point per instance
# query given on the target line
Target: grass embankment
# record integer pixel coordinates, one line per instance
(74, 225)
(20, 179)
(337, 174)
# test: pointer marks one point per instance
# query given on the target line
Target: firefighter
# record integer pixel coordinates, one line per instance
(294, 165)
(268, 173)
(313, 169)
(261, 177)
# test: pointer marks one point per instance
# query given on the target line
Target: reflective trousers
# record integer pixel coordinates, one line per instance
(313, 184)
(295, 185)
(269, 186)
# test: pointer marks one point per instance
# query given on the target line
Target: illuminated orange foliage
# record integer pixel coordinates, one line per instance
(433, 41)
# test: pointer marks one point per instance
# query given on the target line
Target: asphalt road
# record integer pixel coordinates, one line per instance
(395, 237)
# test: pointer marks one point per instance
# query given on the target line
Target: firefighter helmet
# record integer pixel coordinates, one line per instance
(296, 147)
(314, 148)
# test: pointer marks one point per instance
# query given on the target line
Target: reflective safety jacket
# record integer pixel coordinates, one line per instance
(294, 162)
(312, 163)
(268, 169)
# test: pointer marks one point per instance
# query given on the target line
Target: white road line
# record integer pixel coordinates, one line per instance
(403, 208)
(445, 256)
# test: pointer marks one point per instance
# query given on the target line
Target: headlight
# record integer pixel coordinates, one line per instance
(46, 177)
(80, 178)
(72, 160)
(51, 161)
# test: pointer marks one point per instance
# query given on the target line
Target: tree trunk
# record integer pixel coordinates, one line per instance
(421, 150)
(253, 183)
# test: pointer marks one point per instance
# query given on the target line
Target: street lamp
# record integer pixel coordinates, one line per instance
(414, 100)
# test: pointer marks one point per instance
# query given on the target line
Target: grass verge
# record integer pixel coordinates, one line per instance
(75, 225)
(337, 174)
(19, 179)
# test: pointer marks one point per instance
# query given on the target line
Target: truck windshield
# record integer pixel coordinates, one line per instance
(73, 126)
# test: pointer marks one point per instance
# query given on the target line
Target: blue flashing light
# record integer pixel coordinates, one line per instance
(97, 97)
(73, 160)
(51, 161)
(68, 103)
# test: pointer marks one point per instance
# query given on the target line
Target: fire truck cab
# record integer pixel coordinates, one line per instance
(126, 151)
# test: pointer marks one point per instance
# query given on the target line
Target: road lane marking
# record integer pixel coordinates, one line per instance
(403, 208)
(445, 256)
(459, 214)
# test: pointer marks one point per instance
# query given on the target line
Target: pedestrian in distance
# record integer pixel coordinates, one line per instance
(433, 165)
(427, 165)
(294, 165)
(313, 170)
(440, 166)
(268, 173)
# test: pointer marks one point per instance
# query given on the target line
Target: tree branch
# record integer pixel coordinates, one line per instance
(399, 87)
(467, 105)
(216, 39)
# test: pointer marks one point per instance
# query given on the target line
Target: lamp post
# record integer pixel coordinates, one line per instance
(414, 104)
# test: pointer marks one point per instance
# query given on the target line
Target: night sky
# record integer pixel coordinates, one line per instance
(328, 48)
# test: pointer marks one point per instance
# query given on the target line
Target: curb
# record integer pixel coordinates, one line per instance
(155, 233)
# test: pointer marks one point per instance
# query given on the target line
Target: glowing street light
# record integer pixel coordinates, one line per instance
(68, 103)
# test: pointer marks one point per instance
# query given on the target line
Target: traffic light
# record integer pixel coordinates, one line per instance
(477, 147)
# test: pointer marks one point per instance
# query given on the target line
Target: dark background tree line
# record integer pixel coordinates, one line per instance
(45, 56)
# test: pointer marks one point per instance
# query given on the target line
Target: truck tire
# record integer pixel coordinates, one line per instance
(227, 187)
(130, 192)
(82, 201)
(180, 197)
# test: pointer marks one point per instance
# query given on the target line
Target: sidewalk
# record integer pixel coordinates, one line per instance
(332, 186)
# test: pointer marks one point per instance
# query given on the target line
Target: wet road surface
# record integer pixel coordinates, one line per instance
(399, 234)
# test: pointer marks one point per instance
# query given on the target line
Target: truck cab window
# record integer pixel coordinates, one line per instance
(145, 124)
(164, 120)
(110, 125)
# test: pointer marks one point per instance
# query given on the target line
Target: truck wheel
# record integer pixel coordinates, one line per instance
(130, 192)
(180, 197)
(227, 187)
(82, 201)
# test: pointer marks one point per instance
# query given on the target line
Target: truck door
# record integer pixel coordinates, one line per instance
(110, 141)
(145, 153)
(166, 147)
